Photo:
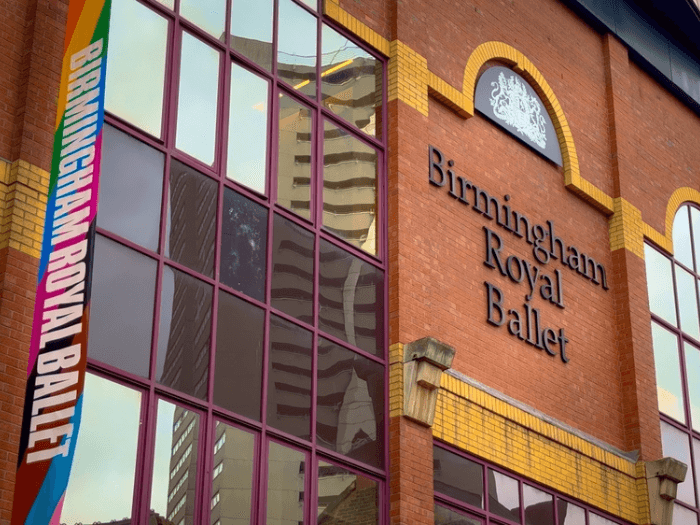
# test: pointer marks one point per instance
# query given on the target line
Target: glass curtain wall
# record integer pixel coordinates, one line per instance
(237, 346)
(672, 282)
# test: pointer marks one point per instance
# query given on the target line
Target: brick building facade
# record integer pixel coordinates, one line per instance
(522, 380)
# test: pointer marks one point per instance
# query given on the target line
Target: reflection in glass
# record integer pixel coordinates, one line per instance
(660, 284)
(289, 378)
(251, 30)
(243, 245)
(594, 519)
(184, 333)
(696, 453)
(294, 157)
(351, 82)
(105, 454)
(292, 269)
(190, 226)
(349, 188)
(692, 368)
(458, 477)
(350, 299)
(136, 65)
(350, 404)
(682, 247)
(668, 372)
(539, 506)
(296, 47)
(674, 443)
(445, 516)
(285, 485)
(570, 514)
(247, 129)
(207, 14)
(687, 302)
(168, 3)
(683, 516)
(131, 188)
(175, 463)
(232, 477)
(504, 499)
(695, 219)
(239, 356)
(196, 107)
(123, 288)
(343, 494)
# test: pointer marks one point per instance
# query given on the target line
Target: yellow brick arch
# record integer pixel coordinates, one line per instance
(524, 67)
(678, 198)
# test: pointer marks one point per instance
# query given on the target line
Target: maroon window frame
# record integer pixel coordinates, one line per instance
(209, 413)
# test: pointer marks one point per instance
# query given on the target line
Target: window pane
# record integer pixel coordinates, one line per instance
(594, 519)
(445, 516)
(570, 514)
(247, 129)
(296, 47)
(292, 269)
(239, 356)
(696, 453)
(243, 245)
(294, 157)
(351, 299)
(458, 477)
(350, 404)
(251, 30)
(207, 14)
(675, 444)
(136, 65)
(350, 188)
(695, 218)
(687, 302)
(351, 82)
(131, 188)
(175, 463)
(105, 455)
(233, 457)
(289, 378)
(285, 485)
(190, 227)
(668, 372)
(196, 107)
(683, 516)
(123, 288)
(539, 506)
(692, 369)
(682, 248)
(344, 495)
(504, 499)
(184, 333)
(660, 284)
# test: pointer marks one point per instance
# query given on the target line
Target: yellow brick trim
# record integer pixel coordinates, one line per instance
(23, 191)
(481, 424)
(408, 77)
(396, 380)
(332, 9)
(627, 228)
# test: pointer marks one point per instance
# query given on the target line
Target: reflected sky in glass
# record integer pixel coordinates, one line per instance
(660, 284)
(692, 367)
(197, 100)
(136, 65)
(668, 372)
(675, 443)
(251, 30)
(207, 14)
(687, 302)
(101, 482)
(682, 248)
(247, 129)
(296, 47)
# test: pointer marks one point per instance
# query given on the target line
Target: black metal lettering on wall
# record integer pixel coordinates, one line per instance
(524, 323)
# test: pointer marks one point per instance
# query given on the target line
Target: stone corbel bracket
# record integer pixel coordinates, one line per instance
(663, 477)
(424, 362)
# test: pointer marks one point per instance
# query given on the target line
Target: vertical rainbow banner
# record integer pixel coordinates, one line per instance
(58, 352)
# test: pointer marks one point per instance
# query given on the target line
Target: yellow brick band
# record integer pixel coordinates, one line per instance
(627, 228)
(396, 380)
(408, 77)
(481, 424)
(23, 190)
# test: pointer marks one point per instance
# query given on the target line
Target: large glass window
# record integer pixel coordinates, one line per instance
(470, 491)
(673, 300)
(238, 334)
